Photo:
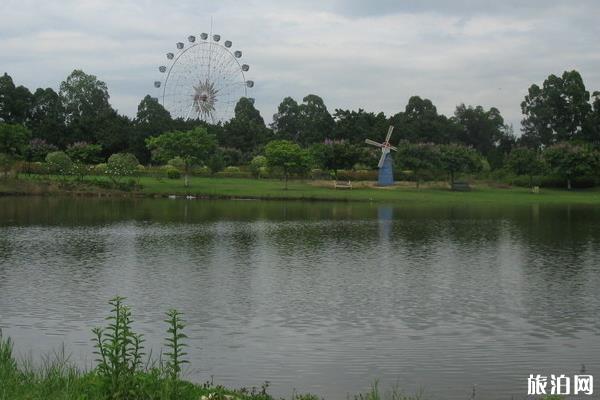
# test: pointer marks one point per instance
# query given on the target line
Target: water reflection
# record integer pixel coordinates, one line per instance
(318, 297)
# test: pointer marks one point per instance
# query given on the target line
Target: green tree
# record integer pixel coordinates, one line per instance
(47, 120)
(525, 161)
(457, 158)
(15, 101)
(591, 131)
(194, 147)
(571, 161)
(421, 123)
(418, 157)
(287, 156)
(356, 126)
(334, 155)
(216, 161)
(151, 119)
(555, 112)
(246, 131)
(14, 139)
(286, 122)
(316, 124)
(88, 114)
(479, 128)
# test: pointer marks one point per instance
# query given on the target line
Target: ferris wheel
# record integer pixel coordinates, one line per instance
(203, 80)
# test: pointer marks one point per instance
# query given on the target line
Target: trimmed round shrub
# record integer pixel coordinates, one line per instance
(120, 165)
(173, 173)
(59, 163)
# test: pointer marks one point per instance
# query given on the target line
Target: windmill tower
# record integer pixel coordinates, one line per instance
(386, 163)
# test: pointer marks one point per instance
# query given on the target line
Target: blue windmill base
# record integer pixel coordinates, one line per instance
(386, 172)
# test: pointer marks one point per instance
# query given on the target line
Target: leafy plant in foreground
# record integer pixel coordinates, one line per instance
(119, 350)
(175, 345)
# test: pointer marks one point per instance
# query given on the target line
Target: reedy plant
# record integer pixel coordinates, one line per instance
(174, 343)
(119, 350)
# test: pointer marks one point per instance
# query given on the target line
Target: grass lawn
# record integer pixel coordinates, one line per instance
(307, 190)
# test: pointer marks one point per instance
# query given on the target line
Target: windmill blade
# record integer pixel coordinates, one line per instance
(393, 148)
(384, 153)
(373, 143)
(389, 134)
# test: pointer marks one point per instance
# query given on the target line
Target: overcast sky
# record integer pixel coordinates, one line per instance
(355, 54)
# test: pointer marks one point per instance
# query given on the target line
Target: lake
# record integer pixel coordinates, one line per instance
(318, 297)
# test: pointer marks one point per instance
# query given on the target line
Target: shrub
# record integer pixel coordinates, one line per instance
(173, 173)
(99, 169)
(120, 165)
(231, 156)
(85, 153)
(201, 171)
(257, 164)
(6, 163)
(59, 162)
(80, 170)
(177, 163)
(231, 169)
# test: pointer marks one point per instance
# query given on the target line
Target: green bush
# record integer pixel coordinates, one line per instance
(173, 173)
(99, 169)
(201, 171)
(6, 163)
(120, 165)
(231, 169)
(257, 164)
(59, 163)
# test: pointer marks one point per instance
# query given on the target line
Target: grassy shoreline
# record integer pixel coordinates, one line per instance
(239, 188)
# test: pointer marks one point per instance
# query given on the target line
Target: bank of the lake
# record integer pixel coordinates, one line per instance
(238, 188)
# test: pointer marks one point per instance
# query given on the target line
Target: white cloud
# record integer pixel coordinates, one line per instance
(354, 54)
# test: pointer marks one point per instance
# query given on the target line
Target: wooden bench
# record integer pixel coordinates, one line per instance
(342, 185)
(461, 186)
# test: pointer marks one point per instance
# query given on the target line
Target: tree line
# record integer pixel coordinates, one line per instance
(560, 131)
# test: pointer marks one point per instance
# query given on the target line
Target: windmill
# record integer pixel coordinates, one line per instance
(386, 169)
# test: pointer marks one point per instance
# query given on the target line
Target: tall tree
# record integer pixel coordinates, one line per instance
(356, 126)
(591, 131)
(557, 111)
(246, 131)
(286, 122)
(151, 119)
(479, 128)
(47, 120)
(316, 124)
(85, 100)
(420, 122)
(15, 101)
